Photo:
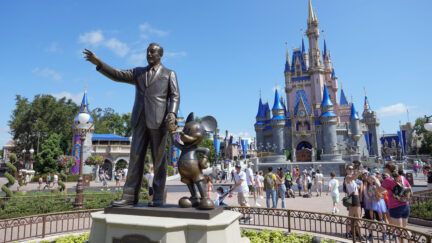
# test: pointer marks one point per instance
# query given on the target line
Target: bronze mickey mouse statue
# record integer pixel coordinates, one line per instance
(189, 166)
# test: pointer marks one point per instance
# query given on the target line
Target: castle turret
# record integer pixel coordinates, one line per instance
(372, 121)
(287, 70)
(312, 33)
(328, 121)
(260, 123)
(278, 123)
(355, 124)
(305, 55)
(86, 147)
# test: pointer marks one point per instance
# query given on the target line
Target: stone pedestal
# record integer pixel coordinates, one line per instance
(116, 228)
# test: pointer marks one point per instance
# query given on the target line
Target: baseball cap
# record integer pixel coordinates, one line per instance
(237, 166)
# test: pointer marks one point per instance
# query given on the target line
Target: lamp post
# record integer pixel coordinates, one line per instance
(24, 151)
(31, 159)
(82, 128)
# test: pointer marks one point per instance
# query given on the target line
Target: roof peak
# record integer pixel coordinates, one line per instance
(326, 101)
(353, 112)
(312, 15)
(277, 102)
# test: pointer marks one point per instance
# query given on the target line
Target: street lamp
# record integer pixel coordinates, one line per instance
(82, 129)
(31, 159)
(24, 151)
(428, 123)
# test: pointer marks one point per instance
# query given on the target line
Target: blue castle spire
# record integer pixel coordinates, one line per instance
(353, 112)
(325, 49)
(343, 99)
(261, 109)
(303, 46)
(84, 107)
(277, 102)
(333, 73)
(326, 98)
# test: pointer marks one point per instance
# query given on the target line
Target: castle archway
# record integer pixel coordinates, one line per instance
(107, 167)
(304, 152)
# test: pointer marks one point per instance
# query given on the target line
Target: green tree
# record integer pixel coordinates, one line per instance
(13, 158)
(109, 121)
(208, 143)
(33, 122)
(424, 136)
(46, 160)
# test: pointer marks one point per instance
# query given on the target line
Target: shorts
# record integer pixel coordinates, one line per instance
(241, 197)
(402, 211)
(335, 198)
(355, 201)
(309, 186)
(251, 188)
(150, 191)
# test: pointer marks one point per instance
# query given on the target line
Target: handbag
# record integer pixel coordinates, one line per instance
(347, 201)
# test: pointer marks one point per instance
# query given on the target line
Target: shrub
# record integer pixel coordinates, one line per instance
(69, 178)
(11, 180)
(422, 210)
(170, 170)
(277, 236)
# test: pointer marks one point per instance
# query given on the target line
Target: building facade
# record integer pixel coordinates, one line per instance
(311, 122)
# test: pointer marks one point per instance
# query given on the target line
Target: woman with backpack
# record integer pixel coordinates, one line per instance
(399, 193)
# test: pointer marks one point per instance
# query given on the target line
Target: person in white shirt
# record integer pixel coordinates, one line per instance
(149, 176)
(241, 188)
(333, 187)
(55, 180)
(251, 183)
(319, 181)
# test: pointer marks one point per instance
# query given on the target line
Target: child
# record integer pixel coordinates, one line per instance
(299, 184)
(40, 183)
(333, 186)
(221, 197)
(149, 176)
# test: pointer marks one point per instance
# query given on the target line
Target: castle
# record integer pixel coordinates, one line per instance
(312, 124)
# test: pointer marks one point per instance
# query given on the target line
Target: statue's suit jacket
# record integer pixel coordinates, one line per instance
(154, 97)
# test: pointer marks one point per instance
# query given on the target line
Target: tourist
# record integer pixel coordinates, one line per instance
(308, 183)
(48, 181)
(104, 179)
(353, 191)
(288, 184)
(220, 197)
(319, 181)
(270, 188)
(427, 169)
(258, 184)
(209, 185)
(333, 188)
(55, 180)
(415, 168)
(40, 182)
(149, 177)
(280, 180)
(399, 192)
(125, 172)
(251, 183)
(123, 175)
(299, 182)
(232, 175)
(117, 178)
(242, 189)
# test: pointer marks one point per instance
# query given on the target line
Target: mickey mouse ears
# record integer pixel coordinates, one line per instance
(209, 123)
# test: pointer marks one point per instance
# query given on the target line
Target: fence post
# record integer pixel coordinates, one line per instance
(43, 225)
(353, 230)
(289, 220)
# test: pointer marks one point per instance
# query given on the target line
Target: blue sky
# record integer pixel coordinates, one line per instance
(224, 52)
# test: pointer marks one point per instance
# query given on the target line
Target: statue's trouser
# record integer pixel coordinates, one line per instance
(142, 137)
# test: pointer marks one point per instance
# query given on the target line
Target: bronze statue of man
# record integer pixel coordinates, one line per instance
(157, 100)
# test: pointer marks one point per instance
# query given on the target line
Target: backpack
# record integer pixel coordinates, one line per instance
(401, 192)
(288, 177)
(268, 181)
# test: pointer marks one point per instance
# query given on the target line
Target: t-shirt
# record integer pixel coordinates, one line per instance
(149, 178)
(249, 173)
(243, 186)
(257, 181)
(334, 187)
(318, 177)
(273, 177)
(389, 184)
(308, 179)
(55, 178)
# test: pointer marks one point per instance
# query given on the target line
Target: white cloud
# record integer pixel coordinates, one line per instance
(243, 135)
(77, 98)
(118, 47)
(393, 110)
(53, 47)
(47, 73)
(93, 38)
(137, 59)
(175, 54)
(147, 29)
(4, 136)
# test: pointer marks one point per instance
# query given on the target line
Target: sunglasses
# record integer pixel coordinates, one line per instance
(350, 169)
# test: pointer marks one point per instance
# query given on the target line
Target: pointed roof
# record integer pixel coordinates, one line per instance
(366, 103)
(277, 102)
(298, 54)
(325, 49)
(287, 62)
(312, 16)
(326, 97)
(261, 109)
(353, 112)
(343, 100)
(303, 46)
(84, 107)
(333, 73)
(301, 99)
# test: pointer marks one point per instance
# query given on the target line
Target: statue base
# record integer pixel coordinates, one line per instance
(166, 224)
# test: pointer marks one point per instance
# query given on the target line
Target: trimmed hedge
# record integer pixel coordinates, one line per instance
(422, 210)
(265, 236)
(40, 203)
(69, 239)
(69, 177)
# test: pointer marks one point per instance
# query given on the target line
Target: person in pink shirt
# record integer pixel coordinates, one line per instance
(399, 207)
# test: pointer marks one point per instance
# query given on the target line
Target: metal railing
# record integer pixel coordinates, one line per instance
(339, 226)
(40, 226)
